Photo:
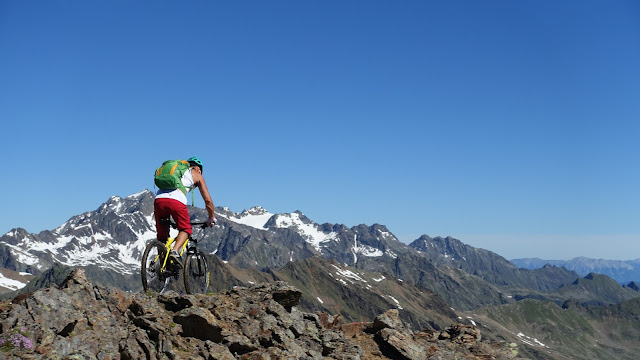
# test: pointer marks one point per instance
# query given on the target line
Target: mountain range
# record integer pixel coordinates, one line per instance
(358, 272)
(623, 271)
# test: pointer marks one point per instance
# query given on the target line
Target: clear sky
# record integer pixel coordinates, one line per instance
(513, 126)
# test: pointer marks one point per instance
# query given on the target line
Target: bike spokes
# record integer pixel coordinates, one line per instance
(153, 275)
(196, 273)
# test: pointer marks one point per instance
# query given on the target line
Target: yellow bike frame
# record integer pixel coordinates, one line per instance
(169, 246)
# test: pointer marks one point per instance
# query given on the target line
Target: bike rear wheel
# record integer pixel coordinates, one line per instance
(153, 278)
(196, 274)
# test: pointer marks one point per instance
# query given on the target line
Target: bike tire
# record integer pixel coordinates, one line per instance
(196, 274)
(152, 277)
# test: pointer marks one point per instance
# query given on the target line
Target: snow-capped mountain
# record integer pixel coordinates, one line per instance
(259, 218)
(110, 240)
(318, 236)
(115, 234)
(112, 237)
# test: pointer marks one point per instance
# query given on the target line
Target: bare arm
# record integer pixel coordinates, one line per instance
(198, 179)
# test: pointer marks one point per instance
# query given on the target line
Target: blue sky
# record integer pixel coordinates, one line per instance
(510, 125)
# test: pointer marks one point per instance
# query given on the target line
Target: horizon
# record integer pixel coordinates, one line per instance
(511, 126)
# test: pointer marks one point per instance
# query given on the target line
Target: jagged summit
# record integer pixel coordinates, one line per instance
(142, 193)
(113, 236)
(256, 210)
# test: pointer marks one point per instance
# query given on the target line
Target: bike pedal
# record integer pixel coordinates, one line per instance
(175, 265)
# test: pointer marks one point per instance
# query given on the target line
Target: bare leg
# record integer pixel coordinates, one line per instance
(180, 239)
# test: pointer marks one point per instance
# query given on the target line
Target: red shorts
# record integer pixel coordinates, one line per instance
(163, 208)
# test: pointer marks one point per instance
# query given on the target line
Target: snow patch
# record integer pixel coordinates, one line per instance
(370, 251)
(10, 283)
(387, 235)
(137, 195)
(364, 250)
(256, 217)
(23, 256)
(396, 301)
(310, 232)
(349, 275)
(354, 250)
(529, 340)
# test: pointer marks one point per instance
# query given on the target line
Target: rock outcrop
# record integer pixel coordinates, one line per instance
(78, 320)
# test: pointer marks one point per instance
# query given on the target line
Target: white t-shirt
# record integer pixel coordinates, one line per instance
(177, 194)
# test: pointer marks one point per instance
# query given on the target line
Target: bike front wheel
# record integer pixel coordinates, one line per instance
(153, 278)
(196, 274)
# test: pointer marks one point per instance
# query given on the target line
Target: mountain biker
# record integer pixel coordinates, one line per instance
(174, 203)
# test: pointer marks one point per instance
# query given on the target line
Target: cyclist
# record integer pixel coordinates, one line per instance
(174, 203)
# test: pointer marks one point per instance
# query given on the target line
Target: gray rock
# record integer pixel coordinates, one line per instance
(81, 321)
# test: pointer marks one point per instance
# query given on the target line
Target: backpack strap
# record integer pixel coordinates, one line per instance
(173, 169)
(180, 163)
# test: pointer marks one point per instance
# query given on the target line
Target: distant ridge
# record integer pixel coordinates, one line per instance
(621, 271)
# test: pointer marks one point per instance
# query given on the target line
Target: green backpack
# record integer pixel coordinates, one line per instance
(169, 175)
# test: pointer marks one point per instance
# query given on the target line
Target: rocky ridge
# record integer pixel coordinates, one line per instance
(80, 320)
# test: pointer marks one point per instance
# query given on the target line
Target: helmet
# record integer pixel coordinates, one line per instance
(195, 161)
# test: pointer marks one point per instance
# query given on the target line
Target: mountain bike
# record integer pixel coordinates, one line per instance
(158, 270)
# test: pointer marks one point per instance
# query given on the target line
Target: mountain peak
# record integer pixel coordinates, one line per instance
(295, 219)
(256, 210)
(145, 192)
(141, 201)
(255, 217)
(633, 285)
(114, 235)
